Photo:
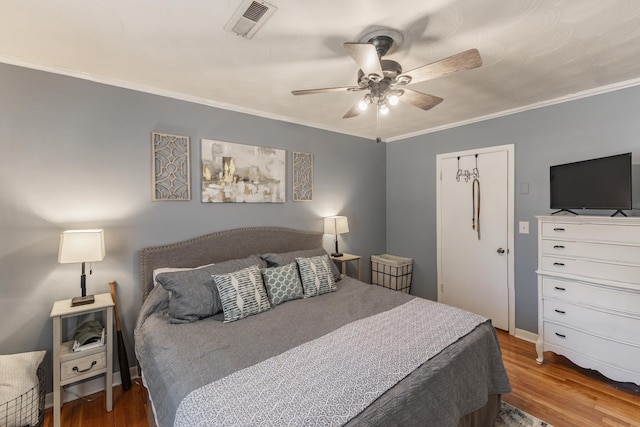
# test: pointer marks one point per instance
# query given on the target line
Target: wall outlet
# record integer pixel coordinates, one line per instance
(523, 227)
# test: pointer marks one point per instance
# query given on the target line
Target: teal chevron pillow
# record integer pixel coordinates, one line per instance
(316, 276)
(242, 293)
(282, 283)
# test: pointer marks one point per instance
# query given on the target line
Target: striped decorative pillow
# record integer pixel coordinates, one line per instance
(242, 293)
(316, 276)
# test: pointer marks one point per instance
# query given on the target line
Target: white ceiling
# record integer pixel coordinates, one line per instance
(535, 52)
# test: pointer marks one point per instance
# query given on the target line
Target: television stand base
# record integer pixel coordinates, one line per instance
(619, 211)
(564, 210)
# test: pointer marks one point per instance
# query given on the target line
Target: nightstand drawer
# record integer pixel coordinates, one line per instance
(88, 365)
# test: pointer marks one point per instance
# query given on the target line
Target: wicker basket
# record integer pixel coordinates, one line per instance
(26, 409)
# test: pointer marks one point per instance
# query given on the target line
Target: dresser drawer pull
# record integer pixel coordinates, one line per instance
(560, 335)
(75, 368)
(558, 247)
(560, 311)
(558, 229)
(558, 264)
(558, 288)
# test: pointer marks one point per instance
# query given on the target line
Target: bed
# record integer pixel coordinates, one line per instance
(338, 357)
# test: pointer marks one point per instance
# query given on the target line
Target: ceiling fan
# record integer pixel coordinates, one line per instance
(383, 79)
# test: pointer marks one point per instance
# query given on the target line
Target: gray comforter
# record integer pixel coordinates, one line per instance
(177, 359)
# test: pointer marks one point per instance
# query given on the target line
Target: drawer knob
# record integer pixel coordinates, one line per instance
(560, 311)
(558, 229)
(558, 264)
(558, 247)
(561, 335)
(558, 288)
(75, 368)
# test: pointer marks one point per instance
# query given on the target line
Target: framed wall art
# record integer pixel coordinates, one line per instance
(170, 170)
(302, 176)
(239, 173)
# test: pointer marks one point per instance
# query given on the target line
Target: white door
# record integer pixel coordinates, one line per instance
(475, 233)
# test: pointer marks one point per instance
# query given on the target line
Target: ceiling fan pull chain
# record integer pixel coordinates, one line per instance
(378, 139)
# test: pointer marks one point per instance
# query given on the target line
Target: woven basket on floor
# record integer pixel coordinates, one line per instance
(26, 409)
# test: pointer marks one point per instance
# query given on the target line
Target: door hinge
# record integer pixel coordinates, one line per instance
(441, 287)
(440, 175)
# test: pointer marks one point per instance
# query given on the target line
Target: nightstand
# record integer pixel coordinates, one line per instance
(344, 259)
(69, 366)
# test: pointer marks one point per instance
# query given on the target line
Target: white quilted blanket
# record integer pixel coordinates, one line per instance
(328, 381)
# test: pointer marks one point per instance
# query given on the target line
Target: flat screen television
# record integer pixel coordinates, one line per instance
(603, 183)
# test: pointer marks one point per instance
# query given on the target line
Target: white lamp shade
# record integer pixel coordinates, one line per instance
(336, 225)
(81, 246)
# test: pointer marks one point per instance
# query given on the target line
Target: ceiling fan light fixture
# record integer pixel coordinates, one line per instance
(393, 99)
(384, 110)
(363, 105)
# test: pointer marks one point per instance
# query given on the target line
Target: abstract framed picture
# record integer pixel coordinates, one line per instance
(302, 176)
(170, 170)
(240, 173)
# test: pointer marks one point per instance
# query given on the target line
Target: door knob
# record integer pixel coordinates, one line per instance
(500, 251)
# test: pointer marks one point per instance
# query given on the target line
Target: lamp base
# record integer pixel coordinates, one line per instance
(89, 299)
(337, 254)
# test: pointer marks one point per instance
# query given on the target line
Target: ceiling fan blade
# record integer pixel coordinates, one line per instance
(419, 99)
(353, 112)
(366, 56)
(326, 90)
(461, 61)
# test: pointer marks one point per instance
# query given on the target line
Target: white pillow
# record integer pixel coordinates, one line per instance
(18, 375)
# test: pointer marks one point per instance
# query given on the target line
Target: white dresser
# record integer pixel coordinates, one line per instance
(589, 292)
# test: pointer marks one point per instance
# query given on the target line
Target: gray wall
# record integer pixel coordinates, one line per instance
(582, 129)
(77, 154)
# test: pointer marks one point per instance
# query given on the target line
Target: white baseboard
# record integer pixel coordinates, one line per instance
(86, 388)
(526, 335)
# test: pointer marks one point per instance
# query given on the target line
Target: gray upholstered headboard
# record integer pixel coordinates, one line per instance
(222, 246)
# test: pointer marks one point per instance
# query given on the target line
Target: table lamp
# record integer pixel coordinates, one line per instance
(336, 225)
(81, 246)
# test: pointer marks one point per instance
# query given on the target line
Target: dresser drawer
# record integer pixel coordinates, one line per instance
(591, 232)
(599, 251)
(581, 293)
(601, 349)
(597, 322)
(593, 269)
(88, 365)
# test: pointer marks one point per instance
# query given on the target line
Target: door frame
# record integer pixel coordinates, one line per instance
(510, 149)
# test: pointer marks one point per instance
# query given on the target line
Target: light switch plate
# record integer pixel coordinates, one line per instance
(523, 227)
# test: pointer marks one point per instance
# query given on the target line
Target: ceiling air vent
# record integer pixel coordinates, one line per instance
(249, 17)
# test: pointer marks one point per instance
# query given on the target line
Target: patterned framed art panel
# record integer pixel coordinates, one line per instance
(239, 173)
(302, 177)
(170, 174)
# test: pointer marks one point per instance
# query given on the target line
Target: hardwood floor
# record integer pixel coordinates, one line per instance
(129, 409)
(564, 394)
(557, 392)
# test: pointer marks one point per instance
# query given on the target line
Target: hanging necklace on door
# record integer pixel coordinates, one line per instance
(475, 199)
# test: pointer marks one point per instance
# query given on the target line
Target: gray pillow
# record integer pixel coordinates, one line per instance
(242, 293)
(276, 260)
(194, 294)
(316, 275)
(282, 283)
